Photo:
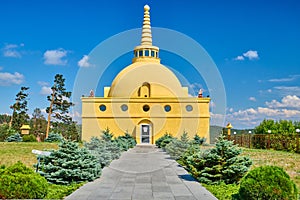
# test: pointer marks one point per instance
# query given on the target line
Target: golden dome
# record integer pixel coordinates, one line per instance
(146, 79)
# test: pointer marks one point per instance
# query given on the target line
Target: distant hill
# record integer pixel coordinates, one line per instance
(215, 131)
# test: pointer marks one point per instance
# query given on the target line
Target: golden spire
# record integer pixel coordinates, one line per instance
(146, 32)
(146, 51)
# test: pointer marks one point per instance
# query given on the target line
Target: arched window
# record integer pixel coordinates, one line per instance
(144, 90)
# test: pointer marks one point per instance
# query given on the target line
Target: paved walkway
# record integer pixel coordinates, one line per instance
(143, 173)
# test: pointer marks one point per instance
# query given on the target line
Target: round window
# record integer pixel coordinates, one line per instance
(167, 108)
(102, 107)
(124, 107)
(189, 108)
(146, 108)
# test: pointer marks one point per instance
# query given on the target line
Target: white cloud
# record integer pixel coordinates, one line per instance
(252, 98)
(7, 79)
(55, 57)
(287, 108)
(287, 90)
(230, 110)
(84, 62)
(12, 50)
(46, 90)
(286, 102)
(288, 79)
(251, 55)
(239, 58)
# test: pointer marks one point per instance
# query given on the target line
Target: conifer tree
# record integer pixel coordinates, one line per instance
(69, 164)
(38, 122)
(20, 116)
(105, 151)
(177, 147)
(220, 164)
(59, 103)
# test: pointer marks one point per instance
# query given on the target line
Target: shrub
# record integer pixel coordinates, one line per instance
(107, 135)
(70, 164)
(177, 147)
(125, 142)
(191, 150)
(218, 164)
(164, 140)
(198, 140)
(14, 138)
(267, 182)
(54, 137)
(104, 151)
(29, 138)
(20, 182)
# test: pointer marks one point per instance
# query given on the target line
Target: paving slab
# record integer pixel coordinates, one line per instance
(143, 173)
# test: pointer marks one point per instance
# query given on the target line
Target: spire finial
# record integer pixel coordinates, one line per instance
(146, 32)
(146, 52)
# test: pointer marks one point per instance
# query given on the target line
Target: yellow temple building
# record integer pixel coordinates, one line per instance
(146, 100)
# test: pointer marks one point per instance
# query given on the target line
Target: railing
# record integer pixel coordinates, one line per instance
(286, 142)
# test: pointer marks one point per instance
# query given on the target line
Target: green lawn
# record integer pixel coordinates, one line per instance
(12, 152)
(290, 162)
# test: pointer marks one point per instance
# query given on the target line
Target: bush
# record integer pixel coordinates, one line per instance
(125, 142)
(164, 140)
(177, 147)
(20, 182)
(191, 150)
(70, 164)
(104, 151)
(54, 137)
(220, 164)
(107, 135)
(268, 182)
(29, 138)
(198, 140)
(14, 138)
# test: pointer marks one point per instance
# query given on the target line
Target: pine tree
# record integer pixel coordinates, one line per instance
(4, 119)
(69, 164)
(222, 163)
(20, 116)
(14, 138)
(107, 135)
(38, 122)
(105, 151)
(59, 103)
(176, 147)
(198, 140)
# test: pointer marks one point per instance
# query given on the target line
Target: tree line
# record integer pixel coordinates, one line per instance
(59, 119)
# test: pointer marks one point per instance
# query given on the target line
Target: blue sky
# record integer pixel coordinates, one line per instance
(254, 44)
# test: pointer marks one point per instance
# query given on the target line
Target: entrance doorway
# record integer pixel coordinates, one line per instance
(145, 133)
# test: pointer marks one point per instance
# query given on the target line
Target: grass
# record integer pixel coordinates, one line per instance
(290, 162)
(12, 152)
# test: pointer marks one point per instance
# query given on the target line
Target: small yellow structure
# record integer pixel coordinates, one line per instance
(229, 127)
(146, 100)
(25, 129)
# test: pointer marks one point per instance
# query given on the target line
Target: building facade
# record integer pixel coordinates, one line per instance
(146, 100)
